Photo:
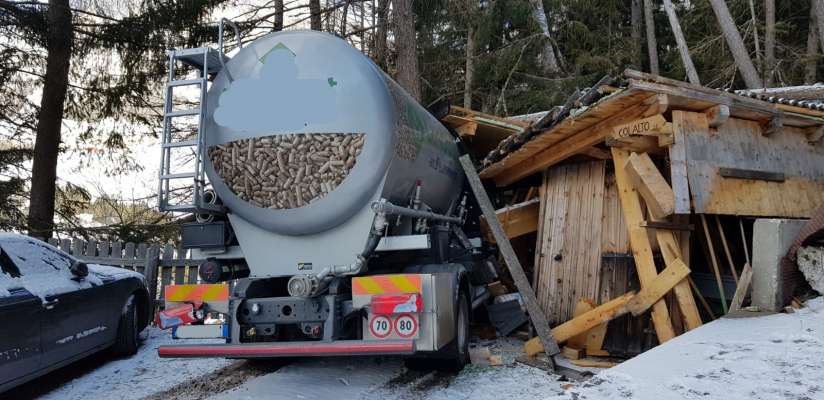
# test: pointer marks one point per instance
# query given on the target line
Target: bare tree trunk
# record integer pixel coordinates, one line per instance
(550, 61)
(50, 119)
(736, 45)
(314, 15)
(652, 43)
(812, 50)
(769, 41)
(637, 57)
(692, 74)
(344, 17)
(406, 45)
(380, 36)
(755, 33)
(818, 11)
(278, 16)
(470, 54)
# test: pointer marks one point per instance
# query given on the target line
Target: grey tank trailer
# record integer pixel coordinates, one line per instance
(330, 203)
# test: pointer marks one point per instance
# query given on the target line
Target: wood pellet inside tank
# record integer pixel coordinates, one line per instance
(286, 171)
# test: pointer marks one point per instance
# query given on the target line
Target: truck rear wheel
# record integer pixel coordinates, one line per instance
(455, 355)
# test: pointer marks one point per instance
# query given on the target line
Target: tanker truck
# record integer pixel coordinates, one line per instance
(332, 212)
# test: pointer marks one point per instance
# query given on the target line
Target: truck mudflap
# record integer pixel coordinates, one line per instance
(291, 349)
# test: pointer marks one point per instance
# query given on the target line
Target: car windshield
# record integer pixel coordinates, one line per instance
(31, 257)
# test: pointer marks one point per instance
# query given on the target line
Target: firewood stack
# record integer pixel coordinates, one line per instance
(288, 170)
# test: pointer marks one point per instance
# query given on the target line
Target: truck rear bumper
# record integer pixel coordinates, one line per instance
(290, 349)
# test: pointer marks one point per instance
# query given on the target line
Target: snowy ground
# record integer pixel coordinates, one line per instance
(772, 357)
(101, 376)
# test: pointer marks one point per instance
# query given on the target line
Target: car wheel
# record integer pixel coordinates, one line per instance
(127, 334)
(456, 355)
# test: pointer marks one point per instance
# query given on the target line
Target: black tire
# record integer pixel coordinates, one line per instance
(455, 356)
(128, 338)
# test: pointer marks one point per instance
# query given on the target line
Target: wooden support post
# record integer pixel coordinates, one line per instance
(661, 285)
(640, 243)
(742, 288)
(651, 185)
(726, 248)
(590, 319)
(744, 240)
(673, 252)
(592, 340)
(537, 315)
(714, 262)
(704, 303)
(683, 123)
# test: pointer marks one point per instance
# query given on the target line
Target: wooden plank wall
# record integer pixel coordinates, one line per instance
(577, 204)
(742, 144)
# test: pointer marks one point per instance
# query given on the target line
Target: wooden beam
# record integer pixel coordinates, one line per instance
(671, 226)
(672, 251)
(644, 126)
(596, 153)
(590, 363)
(742, 288)
(572, 353)
(635, 144)
(592, 340)
(682, 124)
(714, 261)
(510, 259)
(467, 129)
(658, 104)
(473, 113)
(640, 243)
(566, 148)
(581, 307)
(815, 133)
(717, 115)
(597, 316)
(650, 184)
(775, 125)
(517, 220)
(726, 248)
(661, 285)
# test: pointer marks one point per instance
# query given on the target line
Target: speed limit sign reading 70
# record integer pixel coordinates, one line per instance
(406, 326)
(380, 326)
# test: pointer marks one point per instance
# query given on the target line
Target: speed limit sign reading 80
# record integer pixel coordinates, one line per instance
(406, 326)
(380, 326)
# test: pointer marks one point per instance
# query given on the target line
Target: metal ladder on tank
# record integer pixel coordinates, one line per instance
(206, 61)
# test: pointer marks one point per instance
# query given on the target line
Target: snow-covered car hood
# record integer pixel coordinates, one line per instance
(61, 281)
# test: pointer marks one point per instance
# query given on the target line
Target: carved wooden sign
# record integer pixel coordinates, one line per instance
(653, 125)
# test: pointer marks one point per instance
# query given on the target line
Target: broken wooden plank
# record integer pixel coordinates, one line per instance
(590, 363)
(572, 353)
(651, 185)
(581, 307)
(510, 259)
(640, 243)
(742, 288)
(517, 219)
(661, 285)
(592, 340)
(590, 319)
(467, 129)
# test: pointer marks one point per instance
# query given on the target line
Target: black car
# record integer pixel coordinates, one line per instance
(55, 309)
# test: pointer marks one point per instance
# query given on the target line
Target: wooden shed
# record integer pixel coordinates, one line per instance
(632, 177)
